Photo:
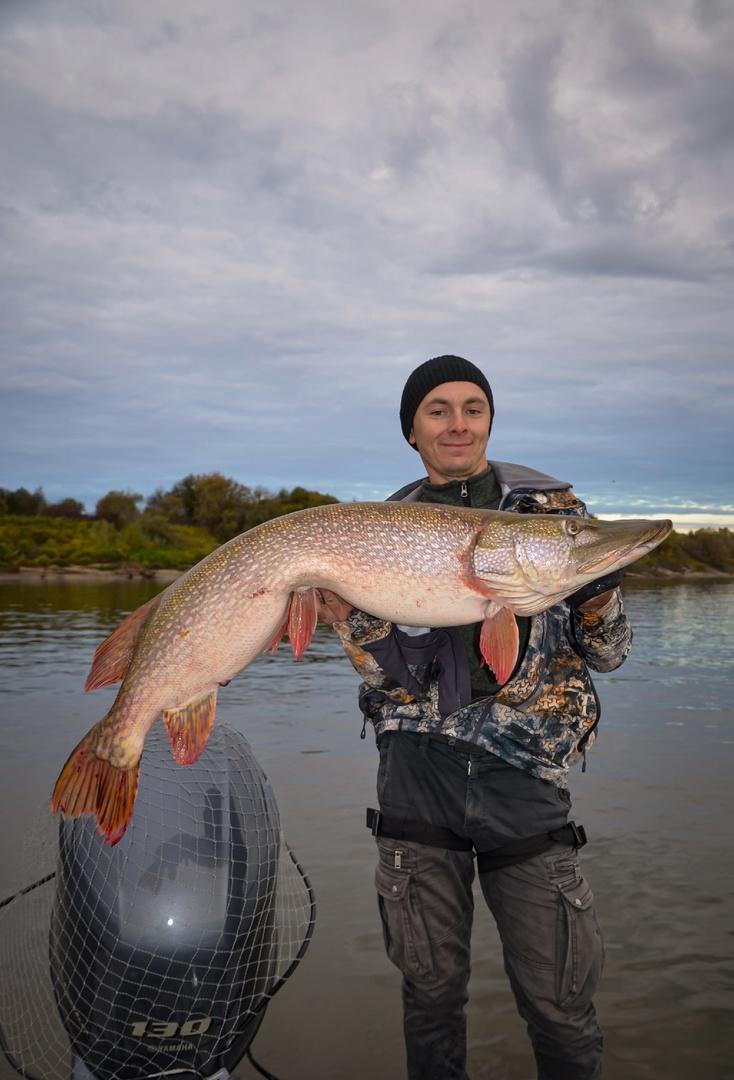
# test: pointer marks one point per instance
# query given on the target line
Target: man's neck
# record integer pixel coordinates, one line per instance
(439, 478)
(481, 490)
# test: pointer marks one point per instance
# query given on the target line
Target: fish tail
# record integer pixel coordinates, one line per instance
(90, 784)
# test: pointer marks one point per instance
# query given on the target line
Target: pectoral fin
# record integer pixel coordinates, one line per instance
(189, 727)
(276, 639)
(499, 641)
(302, 619)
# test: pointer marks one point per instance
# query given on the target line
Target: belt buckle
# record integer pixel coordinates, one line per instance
(579, 834)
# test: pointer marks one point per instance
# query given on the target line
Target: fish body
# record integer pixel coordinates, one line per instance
(413, 564)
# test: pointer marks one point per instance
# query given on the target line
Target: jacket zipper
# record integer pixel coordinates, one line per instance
(464, 493)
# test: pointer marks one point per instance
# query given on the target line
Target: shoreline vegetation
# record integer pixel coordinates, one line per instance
(177, 528)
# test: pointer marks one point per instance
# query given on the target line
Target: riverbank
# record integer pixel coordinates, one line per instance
(661, 574)
(29, 574)
(93, 575)
(153, 548)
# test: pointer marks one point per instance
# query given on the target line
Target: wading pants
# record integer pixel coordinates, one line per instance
(543, 909)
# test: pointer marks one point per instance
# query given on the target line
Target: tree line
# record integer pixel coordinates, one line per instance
(210, 501)
(178, 526)
(698, 550)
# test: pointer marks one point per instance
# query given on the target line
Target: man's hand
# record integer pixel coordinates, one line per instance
(597, 594)
(598, 602)
(331, 607)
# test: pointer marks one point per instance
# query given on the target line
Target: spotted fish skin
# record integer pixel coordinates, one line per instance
(408, 563)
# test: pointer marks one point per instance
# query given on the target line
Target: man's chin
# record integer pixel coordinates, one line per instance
(458, 469)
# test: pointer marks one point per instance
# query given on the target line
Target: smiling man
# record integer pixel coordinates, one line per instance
(450, 430)
(473, 772)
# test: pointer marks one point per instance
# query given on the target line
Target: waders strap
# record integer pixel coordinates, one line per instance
(517, 851)
(418, 831)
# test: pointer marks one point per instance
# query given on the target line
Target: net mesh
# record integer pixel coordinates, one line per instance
(159, 954)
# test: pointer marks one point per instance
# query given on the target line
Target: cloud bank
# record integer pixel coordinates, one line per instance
(228, 233)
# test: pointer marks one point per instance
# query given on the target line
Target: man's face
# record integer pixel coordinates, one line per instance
(451, 430)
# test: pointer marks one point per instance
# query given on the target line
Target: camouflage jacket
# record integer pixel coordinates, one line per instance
(544, 718)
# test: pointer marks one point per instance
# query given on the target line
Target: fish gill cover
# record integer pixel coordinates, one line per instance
(160, 953)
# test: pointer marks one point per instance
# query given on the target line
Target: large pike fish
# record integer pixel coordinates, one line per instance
(414, 564)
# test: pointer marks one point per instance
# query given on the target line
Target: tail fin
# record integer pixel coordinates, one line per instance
(112, 658)
(88, 784)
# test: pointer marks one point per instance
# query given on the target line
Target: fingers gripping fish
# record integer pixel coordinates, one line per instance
(413, 564)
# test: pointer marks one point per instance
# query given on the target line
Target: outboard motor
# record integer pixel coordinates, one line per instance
(163, 951)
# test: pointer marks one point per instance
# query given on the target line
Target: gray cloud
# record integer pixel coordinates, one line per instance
(227, 238)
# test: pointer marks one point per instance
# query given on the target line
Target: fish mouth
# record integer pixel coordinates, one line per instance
(630, 541)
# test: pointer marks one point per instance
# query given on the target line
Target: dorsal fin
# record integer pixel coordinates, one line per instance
(112, 657)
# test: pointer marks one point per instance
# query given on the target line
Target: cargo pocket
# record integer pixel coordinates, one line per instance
(404, 927)
(580, 948)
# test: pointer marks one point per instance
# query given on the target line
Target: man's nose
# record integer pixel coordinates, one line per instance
(458, 420)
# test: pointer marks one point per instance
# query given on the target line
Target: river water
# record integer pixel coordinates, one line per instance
(656, 800)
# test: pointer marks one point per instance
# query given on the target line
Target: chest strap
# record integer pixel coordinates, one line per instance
(516, 851)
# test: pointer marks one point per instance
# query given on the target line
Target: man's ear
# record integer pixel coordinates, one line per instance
(411, 438)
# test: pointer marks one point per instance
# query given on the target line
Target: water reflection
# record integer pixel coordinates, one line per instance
(656, 800)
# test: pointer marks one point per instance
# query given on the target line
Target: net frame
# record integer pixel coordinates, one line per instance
(88, 972)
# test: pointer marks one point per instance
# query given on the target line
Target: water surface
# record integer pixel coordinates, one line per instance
(655, 799)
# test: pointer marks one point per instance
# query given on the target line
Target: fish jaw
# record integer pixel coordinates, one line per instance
(620, 543)
(531, 562)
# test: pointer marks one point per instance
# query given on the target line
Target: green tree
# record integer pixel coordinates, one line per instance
(209, 500)
(166, 504)
(119, 507)
(66, 508)
(225, 507)
(711, 547)
(22, 501)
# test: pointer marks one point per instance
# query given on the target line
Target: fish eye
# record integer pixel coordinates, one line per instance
(573, 526)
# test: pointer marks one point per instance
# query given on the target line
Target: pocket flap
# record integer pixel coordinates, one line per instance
(391, 884)
(579, 895)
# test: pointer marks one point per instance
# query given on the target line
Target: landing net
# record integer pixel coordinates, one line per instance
(157, 955)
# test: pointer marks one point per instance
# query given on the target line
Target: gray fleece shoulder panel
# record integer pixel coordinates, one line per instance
(409, 493)
(509, 476)
(518, 477)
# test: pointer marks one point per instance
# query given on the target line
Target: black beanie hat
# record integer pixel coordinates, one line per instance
(433, 373)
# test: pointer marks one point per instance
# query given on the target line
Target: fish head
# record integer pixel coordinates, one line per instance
(528, 562)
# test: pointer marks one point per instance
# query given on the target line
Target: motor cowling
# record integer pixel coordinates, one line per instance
(165, 948)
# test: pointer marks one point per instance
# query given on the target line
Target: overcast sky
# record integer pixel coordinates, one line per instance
(229, 230)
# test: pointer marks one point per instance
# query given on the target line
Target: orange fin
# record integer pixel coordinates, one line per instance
(89, 784)
(499, 642)
(190, 726)
(302, 618)
(112, 658)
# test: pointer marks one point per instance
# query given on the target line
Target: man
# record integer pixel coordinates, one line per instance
(472, 769)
